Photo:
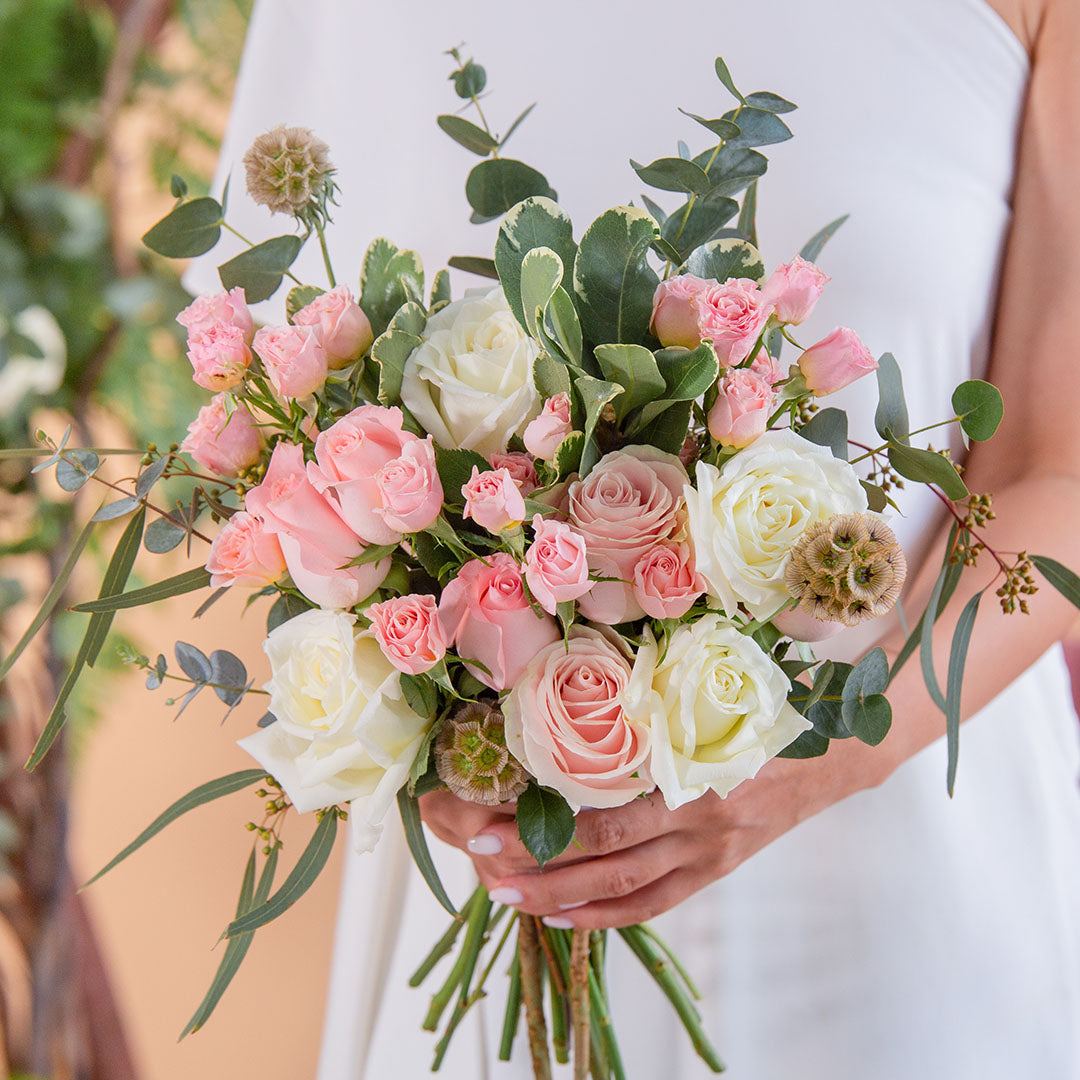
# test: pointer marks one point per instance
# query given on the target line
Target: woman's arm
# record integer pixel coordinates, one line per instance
(641, 859)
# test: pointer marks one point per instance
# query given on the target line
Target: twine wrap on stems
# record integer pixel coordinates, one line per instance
(532, 993)
(579, 1000)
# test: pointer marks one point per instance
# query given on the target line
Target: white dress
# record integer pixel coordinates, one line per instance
(899, 933)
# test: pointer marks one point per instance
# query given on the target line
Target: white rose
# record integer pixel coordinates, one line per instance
(717, 706)
(344, 732)
(470, 381)
(746, 517)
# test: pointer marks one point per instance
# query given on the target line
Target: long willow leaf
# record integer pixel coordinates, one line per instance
(414, 834)
(1061, 577)
(302, 877)
(213, 789)
(188, 581)
(52, 597)
(55, 723)
(237, 948)
(116, 576)
(957, 659)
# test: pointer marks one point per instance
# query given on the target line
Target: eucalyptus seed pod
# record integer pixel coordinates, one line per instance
(472, 760)
(847, 569)
(288, 169)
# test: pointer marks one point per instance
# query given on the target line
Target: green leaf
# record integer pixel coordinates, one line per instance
(534, 223)
(474, 264)
(688, 373)
(414, 835)
(421, 694)
(194, 663)
(808, 745)
(112, 511)
(1061, 577)
(541, 273)
(594, 395)
(545, 822)
(568, 455)
(724, 76)
(891, 418)
(829, 427)
(299, 297)
(301, 878)
(658, 214)
(163, 535)
(748, 214)
(236, 949)
(561, 318)
(722, 129)
(468, 134)
(673, 174)
(190, 229)
(440, 290)
(927, 467)
(757, 127)
(149, 476)
(762, 99)
(723, 259)
(926, 644)
(634, 368)
(695, 224)
(980, 408)
(188, 581)
(669, 429)
(613, 282)
(514, 126)
(864, 710)
(954, 683)
(287, 606)
(394, 346)
(228, 675)
(565, 609)
(204, 793)
(469, 80)
(495, 185)
(177, 186)
(389, 279)
(550, 376)
(455, 470)
(876, 499)
(116, 576)
(812, 248)
(732, 169)
(51, 598)
(75, 468)
(259, 270)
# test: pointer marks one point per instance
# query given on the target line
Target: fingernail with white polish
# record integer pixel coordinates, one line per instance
(557, 923)
(506, 894)
(570, 907)
(484, 844)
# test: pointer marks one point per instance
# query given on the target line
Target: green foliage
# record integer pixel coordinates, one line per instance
(813, 247)
(190, 229)
(980, 408)
(393, 347)
(864, 708)
(634, 368)
(390, 277)
(455, 470)
(299, 297)
(414, 836)
(829, 427)
(725, 258)
(468, 134)
(1061, 577)
(927, 467)
(891, 418)
(954, 682)
(186, 582)
(474, 264)
(757, 127)
(674, 174)
(260, 269)
(545, 823)
(497, 184)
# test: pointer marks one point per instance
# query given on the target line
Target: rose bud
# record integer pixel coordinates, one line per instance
(493, 500)
(674, 316)
(343, 327)
(742, 409)
(544, 435)
(226, 307)
(224, 444)
(520, 466)
(556, 567)
(293, 357)
(220, 357)
(836, 361)
(794, 289)
(409, 632)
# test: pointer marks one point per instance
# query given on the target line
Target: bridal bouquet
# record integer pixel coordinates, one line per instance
(558, 543)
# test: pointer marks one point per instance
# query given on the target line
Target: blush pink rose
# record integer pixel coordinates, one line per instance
(768, 367)
(520, 466)
(732, 317)
(493, 500)
(665, 581)
(566, 725)
(351, 455)
(544, 435)
(487, 618)
(674, 314)
(316, 542)
(742, 409)
(344, 329)
(556, 564)
(294, 358)
(409, 632)
(223, 444)
(219, 356)
(244, 553)
(836, 361)
(225, 307)
(794, 289)
(410, 488)
(629, 502)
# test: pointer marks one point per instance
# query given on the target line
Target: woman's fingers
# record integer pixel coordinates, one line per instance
(636, 907)
(455, 821)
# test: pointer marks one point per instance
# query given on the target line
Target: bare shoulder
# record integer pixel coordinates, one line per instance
(1026, 18)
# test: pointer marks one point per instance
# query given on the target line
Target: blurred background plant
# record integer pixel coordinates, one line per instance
(100, 103)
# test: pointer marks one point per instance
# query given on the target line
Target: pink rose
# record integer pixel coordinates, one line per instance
(343, 327)
(732, 316)
(520, 466)
(794, 289)
(674, 314)
(493, 500)
(294, 359)
(835, 361)
(556, 567)
(488, 619)
(565, 723)
(225, 307)
(665, 581)
(409, 632)
(223, 444)
(629, 502)
(244, 553)
(770, 368)
(742, 409)
(410, 488)
(220, 356)
(350, 457)
(544, 434)
(316, 542)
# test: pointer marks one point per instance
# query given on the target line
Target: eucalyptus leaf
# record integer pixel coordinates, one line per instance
(188, 581)
(774, 103)
(1061, 577)
(722, 129)
(229, 676)
(980, 408)
(876, 499)
(190, 229)
(545, 823)
(287, 606)
(495, 185)
(724, 75)
(474, 264)
(829, 427)
(469, 80)
(467, 134)
(149, 476)
(193, 662)
(163, 535)
(75, 467)
(260, 269)
(732, 169)
(113, 510)
(673, 174)
(757, 127)
(813, 247)
(414, 836)
(927, 467)
(891, 418)
(514, 126)
(954, 684)
(865, 711)
(809, 744)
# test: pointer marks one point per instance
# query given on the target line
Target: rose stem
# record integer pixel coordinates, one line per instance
(532, 993)
(560, 1025)
(695, 993)
(466, 962)
(579, 1000)
(446, 943)
(513, 1009)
